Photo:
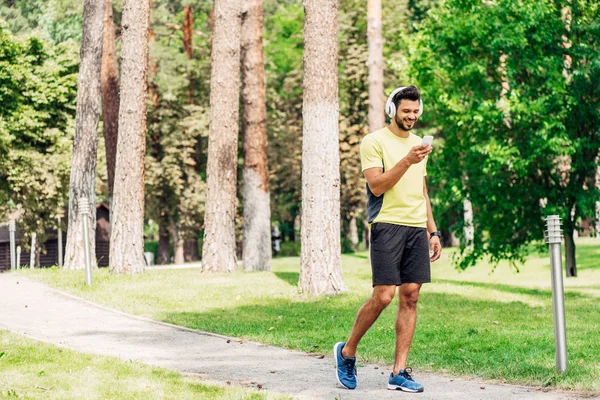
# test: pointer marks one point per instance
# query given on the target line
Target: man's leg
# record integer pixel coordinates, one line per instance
(405, 323)
(367, 315)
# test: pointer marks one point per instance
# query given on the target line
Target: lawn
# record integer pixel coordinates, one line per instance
(34, 370)
(493, 323)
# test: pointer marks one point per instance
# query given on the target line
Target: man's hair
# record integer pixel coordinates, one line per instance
(409, 93)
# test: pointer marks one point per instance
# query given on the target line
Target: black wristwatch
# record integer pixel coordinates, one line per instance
(438, 234)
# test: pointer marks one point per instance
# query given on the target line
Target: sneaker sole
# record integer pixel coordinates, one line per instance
(335, 352)
(404, 389)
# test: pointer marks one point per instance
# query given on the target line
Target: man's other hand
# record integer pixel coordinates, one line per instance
(436, 248)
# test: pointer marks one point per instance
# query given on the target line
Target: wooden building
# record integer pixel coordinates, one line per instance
(48, 251)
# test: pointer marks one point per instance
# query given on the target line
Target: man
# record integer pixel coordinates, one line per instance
(399, 211)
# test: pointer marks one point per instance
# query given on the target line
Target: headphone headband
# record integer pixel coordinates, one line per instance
(390, 107)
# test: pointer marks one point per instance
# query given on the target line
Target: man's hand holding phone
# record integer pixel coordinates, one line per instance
(418, 153)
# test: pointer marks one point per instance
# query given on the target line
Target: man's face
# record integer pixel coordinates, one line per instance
(407, 114)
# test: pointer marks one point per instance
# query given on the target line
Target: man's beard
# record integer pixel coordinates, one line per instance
(401, 124)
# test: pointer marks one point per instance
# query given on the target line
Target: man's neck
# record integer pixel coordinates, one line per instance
(396, 130)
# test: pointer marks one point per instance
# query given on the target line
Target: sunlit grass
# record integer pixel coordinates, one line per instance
(488, 322)
(35, 370)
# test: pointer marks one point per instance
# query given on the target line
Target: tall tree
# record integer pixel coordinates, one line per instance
(321, 270)
(110, 95)
(219, 247)
(83, 167)
(375, 63)
(127, 233)
(257, 210)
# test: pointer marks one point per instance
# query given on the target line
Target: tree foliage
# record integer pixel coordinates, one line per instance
(38, 87)
(513, 87)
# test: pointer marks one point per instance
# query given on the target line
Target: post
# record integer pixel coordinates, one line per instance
(18, 256)
(554, 239)
(60, 246)
(32, 253)
(11, 230)
(84, 211)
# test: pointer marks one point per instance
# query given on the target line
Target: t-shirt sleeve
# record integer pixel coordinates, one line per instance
(371, 155)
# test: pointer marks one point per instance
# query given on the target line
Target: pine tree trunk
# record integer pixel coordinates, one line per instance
(219, 251)
(83, 167)
(375, 64)
(110, 95)
(257, 211)
(164, 246)
(321, 270)
(190, 250)
(127, 234)
(571, 265)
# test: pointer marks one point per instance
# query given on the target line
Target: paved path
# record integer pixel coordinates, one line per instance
(35, 310)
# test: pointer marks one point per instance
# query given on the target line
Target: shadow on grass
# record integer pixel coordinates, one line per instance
(542, 293)
(512, 341)
(289, 277)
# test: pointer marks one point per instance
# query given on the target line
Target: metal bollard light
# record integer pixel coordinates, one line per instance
(84, 211)
(12, 228)
(554, 240)
(18, 256)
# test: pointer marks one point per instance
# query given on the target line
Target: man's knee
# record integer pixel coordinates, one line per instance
(382, 297)
(410, 297)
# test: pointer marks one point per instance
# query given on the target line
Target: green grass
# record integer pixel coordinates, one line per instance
(36, 370)
(484, 322)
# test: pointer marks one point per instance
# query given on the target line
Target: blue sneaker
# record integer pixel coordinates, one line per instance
(403, 381)
(346, 367)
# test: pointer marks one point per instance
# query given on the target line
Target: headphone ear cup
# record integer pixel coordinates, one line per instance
(390, 109)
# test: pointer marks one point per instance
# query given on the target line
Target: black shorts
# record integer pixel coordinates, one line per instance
(399, 254)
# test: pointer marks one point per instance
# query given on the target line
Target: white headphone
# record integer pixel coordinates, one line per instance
(390, 107)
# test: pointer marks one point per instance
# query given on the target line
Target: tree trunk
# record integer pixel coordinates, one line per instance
(110, 95)
(188, 30)
(321, 270)
(83, 167)
(219, 252)
(164, 245)
(127, 234)
(469, 230)
(178, 244)
(190, 250)
(352, 233)
(375, 64)
(571, 265)
(257, 211)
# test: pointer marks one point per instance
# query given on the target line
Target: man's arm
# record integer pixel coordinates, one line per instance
(380, 182)
(434, 242)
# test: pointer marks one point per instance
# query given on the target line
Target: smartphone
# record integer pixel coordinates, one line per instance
(427, 140)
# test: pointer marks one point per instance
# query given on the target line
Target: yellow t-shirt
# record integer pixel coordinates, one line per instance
(403, 204)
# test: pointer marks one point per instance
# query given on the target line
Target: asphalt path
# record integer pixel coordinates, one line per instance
(37, 311)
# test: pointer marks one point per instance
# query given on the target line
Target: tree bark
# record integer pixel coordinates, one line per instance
(127, 234)
(85, 142)
(320, 257)
(110, 95)
(257, 211)
(375, 64)
(219, 251)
